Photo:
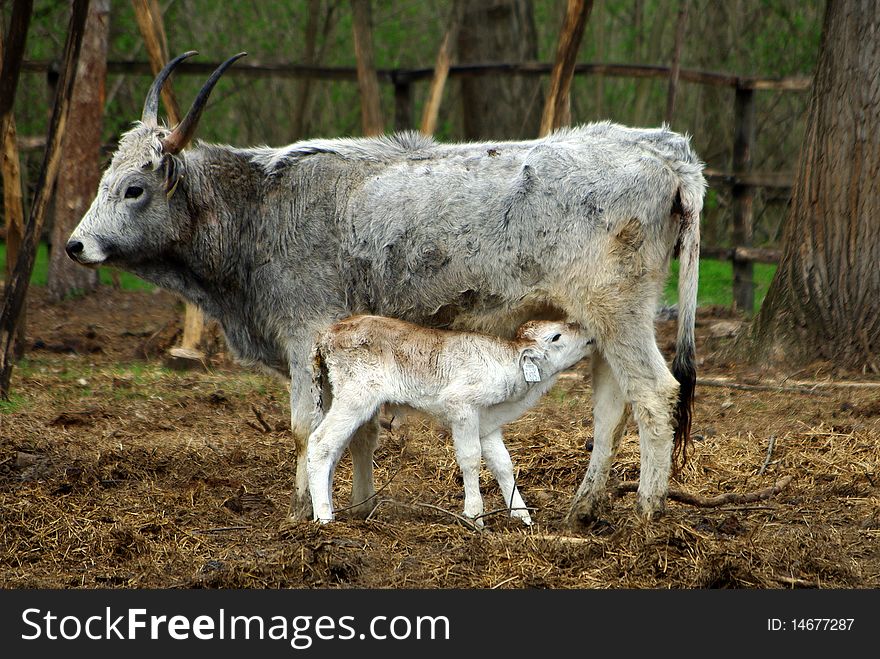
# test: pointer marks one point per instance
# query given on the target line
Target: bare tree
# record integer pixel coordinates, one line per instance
(431, 110)
(557, 109)
(16, 288)
(81, 151)
(499, 107)
(10, 164)
(824, 301)
(371, 110)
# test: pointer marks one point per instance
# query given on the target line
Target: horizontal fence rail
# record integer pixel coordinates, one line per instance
(398, 76)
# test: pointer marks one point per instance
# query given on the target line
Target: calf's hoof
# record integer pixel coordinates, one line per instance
(523, 516)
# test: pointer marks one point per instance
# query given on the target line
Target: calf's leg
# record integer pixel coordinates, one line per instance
(466, 438)
(498, 460)
(325, 447)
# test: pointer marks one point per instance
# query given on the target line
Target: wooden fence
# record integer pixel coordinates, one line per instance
(741, 179)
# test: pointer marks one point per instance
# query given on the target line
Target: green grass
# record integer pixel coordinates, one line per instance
(128, 281)
(716, 279)
(716, 283)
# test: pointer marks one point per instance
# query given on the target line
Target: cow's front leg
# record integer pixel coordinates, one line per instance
(362, 447)
(610, 413)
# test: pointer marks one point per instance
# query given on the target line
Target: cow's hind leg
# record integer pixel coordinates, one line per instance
(363, 446)
(652, 390)
(610, 412)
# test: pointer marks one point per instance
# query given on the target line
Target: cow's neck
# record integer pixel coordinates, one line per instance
(217, 254)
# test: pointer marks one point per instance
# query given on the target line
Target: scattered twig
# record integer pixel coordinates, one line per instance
(461, 518)
(222, 529)
(564, 539)
(259, 415)
(501, 583)
(375, 494)
(795, 581)
(713, 502)
(727, 384)
(770, 444)
(498, 511)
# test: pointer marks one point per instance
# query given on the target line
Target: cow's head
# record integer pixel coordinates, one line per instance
(130, 219)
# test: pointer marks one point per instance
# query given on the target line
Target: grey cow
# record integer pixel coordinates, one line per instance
(278, 243)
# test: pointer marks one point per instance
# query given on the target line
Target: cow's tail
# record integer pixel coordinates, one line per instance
(689, 205)
(320, 386)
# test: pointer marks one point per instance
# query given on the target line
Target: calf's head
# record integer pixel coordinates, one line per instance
(131, 218)
(556, 344)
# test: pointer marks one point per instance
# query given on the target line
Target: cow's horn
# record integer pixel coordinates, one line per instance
(184, 131)
(150, 115)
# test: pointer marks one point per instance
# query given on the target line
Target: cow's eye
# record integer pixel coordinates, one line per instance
(133, 192)
(556, 338)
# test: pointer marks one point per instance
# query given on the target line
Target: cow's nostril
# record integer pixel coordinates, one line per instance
(73, 248)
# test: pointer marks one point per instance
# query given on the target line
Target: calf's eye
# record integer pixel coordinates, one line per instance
(133, 192)
(556, 338)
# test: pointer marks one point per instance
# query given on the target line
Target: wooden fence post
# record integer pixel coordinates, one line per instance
(17, 287)
(742, 194)
(403, 103)
(149, 20)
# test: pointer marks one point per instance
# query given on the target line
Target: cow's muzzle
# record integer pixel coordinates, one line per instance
(74, 248)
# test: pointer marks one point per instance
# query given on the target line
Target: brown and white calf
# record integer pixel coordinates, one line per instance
(471, 383)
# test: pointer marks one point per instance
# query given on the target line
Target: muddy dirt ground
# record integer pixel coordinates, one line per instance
(118, 472)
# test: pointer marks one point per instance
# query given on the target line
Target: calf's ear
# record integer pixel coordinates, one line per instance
(531, 352)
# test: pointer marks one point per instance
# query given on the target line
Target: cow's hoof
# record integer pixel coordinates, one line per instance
(583, 512)
(651, 507)
(363, 509)
(300, 508)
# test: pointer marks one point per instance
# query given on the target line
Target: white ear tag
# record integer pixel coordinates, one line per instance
(530, 371)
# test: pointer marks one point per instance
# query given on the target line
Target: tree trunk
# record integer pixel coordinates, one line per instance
(672, 90)
(81, 151)
(557, 109)
(824, 302)
(499, 107)
(431, 109)
(16, 288)
(371, 110)
(13, 200)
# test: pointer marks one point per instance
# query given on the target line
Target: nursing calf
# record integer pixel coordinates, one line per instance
(472, 383)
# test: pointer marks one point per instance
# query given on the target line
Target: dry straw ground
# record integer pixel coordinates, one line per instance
(116, 472)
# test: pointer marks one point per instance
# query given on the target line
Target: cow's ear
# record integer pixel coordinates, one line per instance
(173, 171)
